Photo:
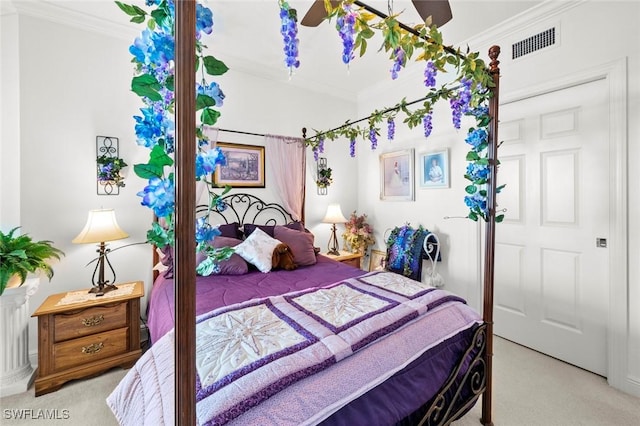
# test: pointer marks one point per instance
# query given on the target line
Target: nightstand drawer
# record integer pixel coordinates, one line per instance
(90, 321)
(88, 349)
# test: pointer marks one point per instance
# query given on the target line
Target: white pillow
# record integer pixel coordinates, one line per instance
(160, 267)
(257, 249)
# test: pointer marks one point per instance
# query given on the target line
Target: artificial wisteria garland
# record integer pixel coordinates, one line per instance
(153, 57)
(345, 23)
(289, 31)
(468, 94)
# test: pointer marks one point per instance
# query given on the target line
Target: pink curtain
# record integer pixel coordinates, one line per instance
(287, 161)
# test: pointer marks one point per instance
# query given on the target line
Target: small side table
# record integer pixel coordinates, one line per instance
(347, 257)
(81, 335)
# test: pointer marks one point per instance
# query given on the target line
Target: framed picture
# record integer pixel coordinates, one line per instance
(377, 261)
(396, 176)
(434, 169)
(244, 168)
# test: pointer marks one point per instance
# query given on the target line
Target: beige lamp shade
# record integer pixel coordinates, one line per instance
(101, 226)
(334, 214)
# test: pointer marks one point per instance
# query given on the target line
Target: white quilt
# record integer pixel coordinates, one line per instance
(252, 355)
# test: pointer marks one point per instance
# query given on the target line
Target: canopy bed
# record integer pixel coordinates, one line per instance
(420, 356)
(406, 371)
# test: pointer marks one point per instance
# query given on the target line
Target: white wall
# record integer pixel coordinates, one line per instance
(74, 85)
(9, 122)
(591, 34)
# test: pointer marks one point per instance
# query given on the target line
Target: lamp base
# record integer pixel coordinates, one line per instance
(100, 290)
(332, 247)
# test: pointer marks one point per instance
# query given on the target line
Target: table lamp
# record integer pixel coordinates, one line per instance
(334, 215)
(101, 227)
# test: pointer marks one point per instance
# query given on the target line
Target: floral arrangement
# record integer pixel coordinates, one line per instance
(324, 178)
(358, 234)
(109, 170)
(153, 58)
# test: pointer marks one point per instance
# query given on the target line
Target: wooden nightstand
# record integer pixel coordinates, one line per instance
(80, 335)
(347, 257)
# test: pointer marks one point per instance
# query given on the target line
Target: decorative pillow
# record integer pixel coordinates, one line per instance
(257, 249)
(160, 266)
(250, 227)
(300, 243)
(235, 265)
(297, 225)
(230, 230)
(166, 259)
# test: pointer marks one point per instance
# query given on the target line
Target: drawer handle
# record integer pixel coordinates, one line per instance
(94, 320)
(93, 348)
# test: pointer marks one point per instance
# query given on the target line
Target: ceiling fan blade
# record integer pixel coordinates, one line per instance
(439, 10)
(316, 14)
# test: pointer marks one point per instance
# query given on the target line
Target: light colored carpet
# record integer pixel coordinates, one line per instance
(530, 389)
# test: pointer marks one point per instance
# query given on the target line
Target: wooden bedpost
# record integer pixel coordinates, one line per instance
(490, 241)
(185, 177)
(304, 175)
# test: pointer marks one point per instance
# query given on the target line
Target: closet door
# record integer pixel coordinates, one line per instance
(552, 266)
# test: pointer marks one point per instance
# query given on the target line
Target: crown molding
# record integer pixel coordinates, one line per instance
(7, 8)
(56, 12)
(529, 18)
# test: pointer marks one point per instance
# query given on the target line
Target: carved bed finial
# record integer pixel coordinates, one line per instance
(494, 52)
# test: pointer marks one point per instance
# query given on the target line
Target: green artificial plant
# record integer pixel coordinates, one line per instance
(20, 255)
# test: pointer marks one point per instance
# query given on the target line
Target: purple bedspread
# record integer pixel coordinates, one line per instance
(216, 291)
(385, 404)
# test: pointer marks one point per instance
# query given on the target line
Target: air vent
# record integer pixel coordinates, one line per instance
(533, 43)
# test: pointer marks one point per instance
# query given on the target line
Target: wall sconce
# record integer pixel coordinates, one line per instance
(323, 179)
(109, 178)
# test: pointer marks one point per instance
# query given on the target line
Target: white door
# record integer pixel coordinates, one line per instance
(551, 278)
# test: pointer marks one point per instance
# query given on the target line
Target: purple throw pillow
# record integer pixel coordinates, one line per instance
(235, 265)
(167, 260)
(297, 225)
(300, 243)
(230, 230)
(250, 227)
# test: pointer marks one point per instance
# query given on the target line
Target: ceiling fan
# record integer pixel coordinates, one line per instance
(439, 10)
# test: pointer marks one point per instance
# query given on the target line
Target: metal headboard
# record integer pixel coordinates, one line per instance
(241, 208)
(247, 208)
(431, 247)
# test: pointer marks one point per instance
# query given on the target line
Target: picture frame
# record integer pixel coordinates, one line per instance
(377, 261)
(244, 168)
(434, 169)
(397, 176)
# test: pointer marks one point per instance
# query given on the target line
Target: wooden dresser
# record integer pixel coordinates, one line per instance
(80, 335)
(347, 257)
